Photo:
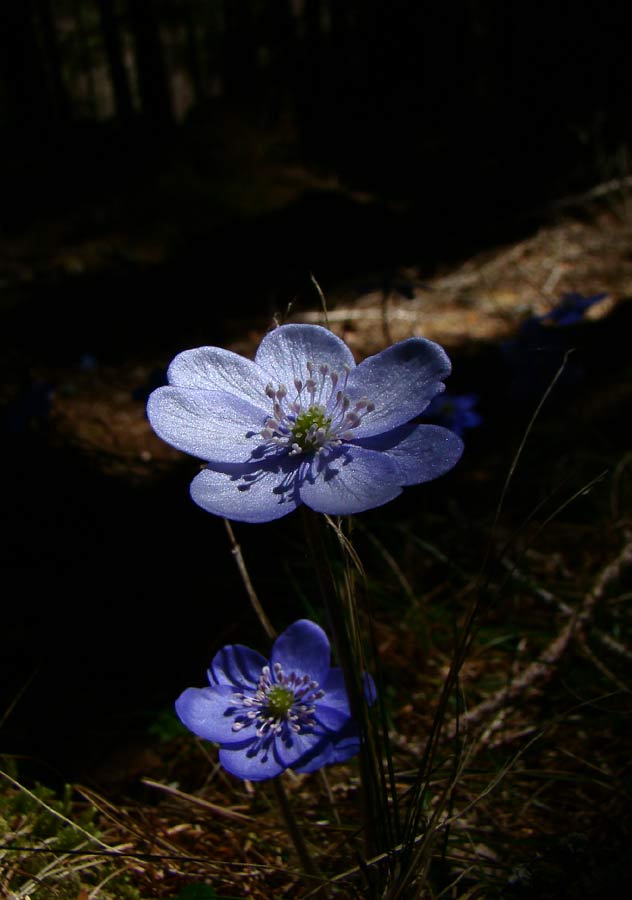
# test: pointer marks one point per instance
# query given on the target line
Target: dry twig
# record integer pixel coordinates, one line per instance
(542, 670)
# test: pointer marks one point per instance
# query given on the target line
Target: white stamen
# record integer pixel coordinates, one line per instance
(321, 415)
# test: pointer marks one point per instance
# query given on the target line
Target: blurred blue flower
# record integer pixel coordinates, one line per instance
(535, 354)
(304, 424)
(571, 308)
(288, 712)
(88, 362)
(569, 311)
(454, 411)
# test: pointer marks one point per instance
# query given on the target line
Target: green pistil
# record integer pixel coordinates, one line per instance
(279, 701)
(306, 426)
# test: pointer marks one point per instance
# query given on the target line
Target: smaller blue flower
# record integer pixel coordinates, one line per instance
(454, 411)
(288, 712)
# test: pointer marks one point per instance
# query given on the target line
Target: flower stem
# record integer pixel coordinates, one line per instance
(341, 614)
(294, 829)
(307, 861)
(265, 622)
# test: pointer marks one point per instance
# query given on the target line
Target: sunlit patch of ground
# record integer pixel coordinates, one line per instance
(486, 297)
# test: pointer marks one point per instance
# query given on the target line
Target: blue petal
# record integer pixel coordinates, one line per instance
(349, 481)
(401, 381)
(420, 452)
(215, 369)
(330, 721)
(303, 648)
(337, 747)
(346, 744)
(336, 691)
(321, 755)
(253, 766)
(286, 350)
(210, 713)
(248, 493)
(208, 424)
(237, 666)
(292, 747)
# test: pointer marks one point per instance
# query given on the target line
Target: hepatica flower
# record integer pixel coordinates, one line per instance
(302, 423)
(571, 308)
(288, 712)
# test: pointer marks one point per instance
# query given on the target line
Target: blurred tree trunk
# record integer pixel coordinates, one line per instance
(27, 88)
(114, 53)
(310, 102)
(153, 80)
(61, 100)
(194, 64)
(279, 34)
(239, 51)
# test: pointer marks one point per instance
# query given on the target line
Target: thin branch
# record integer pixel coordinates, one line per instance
(606, 640)
(541, 671)
(215, 808)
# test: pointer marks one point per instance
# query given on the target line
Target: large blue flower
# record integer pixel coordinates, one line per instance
(267, 716)
(302, 423)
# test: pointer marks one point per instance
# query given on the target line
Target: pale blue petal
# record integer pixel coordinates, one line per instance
(303, 648)
(248, 493)
(215, 369)
(286, 350)
(207, 424)
(420, 452)
(210, 713)
(238, 666)
(348, 482)
(401, 381)
(256, 767)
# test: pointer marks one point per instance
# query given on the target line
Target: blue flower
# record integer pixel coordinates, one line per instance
(571, 308)
(568, 311)
(303, 424)
(454, 411)
(289, 712)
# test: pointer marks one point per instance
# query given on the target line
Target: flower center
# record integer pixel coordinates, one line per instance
(280, 702)
(310, 427)
(320, 414)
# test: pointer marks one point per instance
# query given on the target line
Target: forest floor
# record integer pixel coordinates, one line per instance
(542, 804)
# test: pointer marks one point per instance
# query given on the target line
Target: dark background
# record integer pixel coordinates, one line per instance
(420, 132)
